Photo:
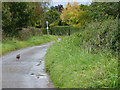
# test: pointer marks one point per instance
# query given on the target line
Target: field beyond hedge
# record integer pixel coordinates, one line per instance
(87, 59)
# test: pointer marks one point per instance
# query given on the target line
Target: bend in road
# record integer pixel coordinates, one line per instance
(29, 71)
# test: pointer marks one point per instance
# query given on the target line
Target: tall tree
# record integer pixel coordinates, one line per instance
(59, 8)
(16, 15)
(51, 16)
(73, 15)
(102, 10)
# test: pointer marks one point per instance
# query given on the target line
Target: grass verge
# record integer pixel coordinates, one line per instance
(11, 45)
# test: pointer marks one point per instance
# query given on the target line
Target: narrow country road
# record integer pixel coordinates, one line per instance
(29, 71)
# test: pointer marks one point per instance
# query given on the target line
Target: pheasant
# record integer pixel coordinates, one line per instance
(18, 56)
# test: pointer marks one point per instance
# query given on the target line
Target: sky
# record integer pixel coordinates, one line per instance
(64, 2)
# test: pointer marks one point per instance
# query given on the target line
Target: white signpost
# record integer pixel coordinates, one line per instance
(47, 27)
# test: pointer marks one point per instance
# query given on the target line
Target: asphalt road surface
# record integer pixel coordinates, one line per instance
(29, 71)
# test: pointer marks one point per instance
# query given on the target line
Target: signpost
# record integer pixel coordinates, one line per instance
(47, 27)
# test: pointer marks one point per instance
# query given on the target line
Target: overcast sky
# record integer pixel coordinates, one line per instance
(64, 2)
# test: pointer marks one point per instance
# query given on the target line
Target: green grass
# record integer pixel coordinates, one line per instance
(74, 68)
(11, 45)
(72, 64)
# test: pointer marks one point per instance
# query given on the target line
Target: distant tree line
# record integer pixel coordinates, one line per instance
(16, 15)
(78, 15)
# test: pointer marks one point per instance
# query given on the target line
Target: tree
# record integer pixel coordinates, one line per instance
(16, 15)
(73, 15)
(52, 15)
(102, 10)
(59, 8)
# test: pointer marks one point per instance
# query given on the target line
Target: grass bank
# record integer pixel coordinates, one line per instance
(82, 61)
(11, 45)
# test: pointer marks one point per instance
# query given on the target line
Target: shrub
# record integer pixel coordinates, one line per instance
(28, 32)
(44, 30)
(63, 30)
(101, 35)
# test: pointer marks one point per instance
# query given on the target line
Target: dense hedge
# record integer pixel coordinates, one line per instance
(63, 30)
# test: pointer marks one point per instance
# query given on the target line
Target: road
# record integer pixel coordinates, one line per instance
(29, 71)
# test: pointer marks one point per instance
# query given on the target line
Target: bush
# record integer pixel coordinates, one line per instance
(26, 33)
(64, 30)
(101, 35)
(44, 30)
